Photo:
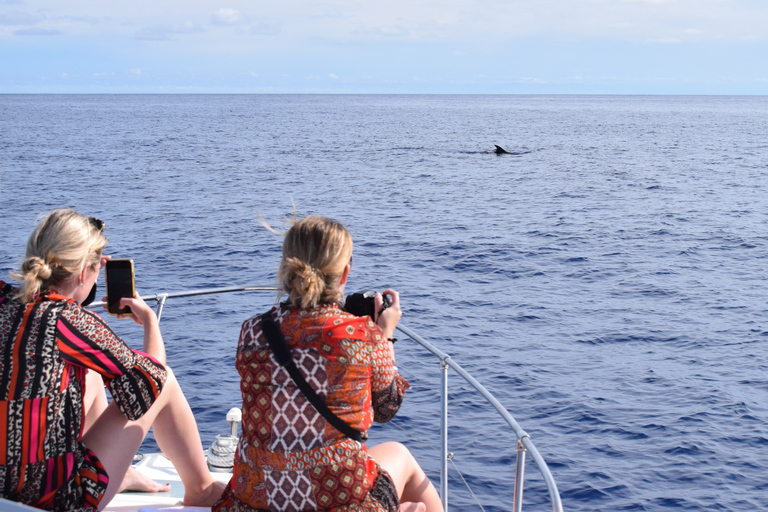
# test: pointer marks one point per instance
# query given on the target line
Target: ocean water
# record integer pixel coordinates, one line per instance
(607, 284)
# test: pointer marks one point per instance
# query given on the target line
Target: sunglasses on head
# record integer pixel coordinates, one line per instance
(98, 224)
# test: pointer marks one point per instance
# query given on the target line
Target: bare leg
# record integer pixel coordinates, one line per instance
(410, 481)
(177, 436)
(95, 403)
(95, 399)
(115, 439)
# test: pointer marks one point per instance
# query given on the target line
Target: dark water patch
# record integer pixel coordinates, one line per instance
(622, 338)
(693, 419)
(586, 493)
(404, 148)
(672, 503)
(525, 318)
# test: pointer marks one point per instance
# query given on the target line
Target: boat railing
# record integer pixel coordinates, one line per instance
(524, 443)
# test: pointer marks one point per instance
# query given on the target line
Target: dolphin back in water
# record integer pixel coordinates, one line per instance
(501, 151)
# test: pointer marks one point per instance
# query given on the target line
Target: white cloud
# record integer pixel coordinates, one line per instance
(227, 16)
(457, 38)
(165, 33)
(91, 20)
(15, 18)
(491, 21)
(394, 31)
(333, 76)
(264, 29)
(152, 34)
(455, 21)
(136, 71)
(36, 32)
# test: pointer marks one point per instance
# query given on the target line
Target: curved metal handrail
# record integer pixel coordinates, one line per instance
(525, 445)
(161, 297)
(522, 436)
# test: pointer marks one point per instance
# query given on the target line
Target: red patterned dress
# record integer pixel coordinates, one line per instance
(47, 347)
(289, 458)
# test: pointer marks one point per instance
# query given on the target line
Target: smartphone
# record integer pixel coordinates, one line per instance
(120, 283)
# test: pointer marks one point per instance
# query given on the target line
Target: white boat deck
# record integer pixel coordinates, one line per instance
(157, 467)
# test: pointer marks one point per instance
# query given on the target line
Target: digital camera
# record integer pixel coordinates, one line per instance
(362, 303)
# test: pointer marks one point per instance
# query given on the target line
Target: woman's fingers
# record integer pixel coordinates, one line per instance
(394, 298)
(141, 313)
(388, 318)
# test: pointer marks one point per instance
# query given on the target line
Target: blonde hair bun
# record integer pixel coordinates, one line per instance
(305, 280)
(36, 268)
(315, 252)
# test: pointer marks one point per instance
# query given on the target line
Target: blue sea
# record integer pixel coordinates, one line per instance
(607, 284)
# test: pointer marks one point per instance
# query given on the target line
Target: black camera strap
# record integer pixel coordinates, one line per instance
(283, 356)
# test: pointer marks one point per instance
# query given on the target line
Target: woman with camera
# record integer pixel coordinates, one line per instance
(62, 447)
(302, 446)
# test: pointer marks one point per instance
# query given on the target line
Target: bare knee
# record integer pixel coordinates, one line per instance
(409, 506)
(397, 460)
(170, 380)
(394, 457)
(396, 449)
(95, 399)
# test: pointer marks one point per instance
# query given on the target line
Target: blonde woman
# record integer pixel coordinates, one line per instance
(63, 448)
(291, 457)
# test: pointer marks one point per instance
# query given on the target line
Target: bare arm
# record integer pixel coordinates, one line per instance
(146, 317)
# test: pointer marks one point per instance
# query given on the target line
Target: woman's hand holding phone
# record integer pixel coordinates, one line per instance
(141, 313)
(127, 303)
(145, 316)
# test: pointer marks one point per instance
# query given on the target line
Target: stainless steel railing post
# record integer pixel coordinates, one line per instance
(160, 305)
(444, 433)
(517, 504)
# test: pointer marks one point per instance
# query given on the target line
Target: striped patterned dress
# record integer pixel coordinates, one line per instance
(47, 347)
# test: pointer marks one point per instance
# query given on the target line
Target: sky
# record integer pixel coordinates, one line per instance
(382, 47)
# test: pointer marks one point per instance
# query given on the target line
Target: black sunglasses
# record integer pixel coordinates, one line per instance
(97, 223)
